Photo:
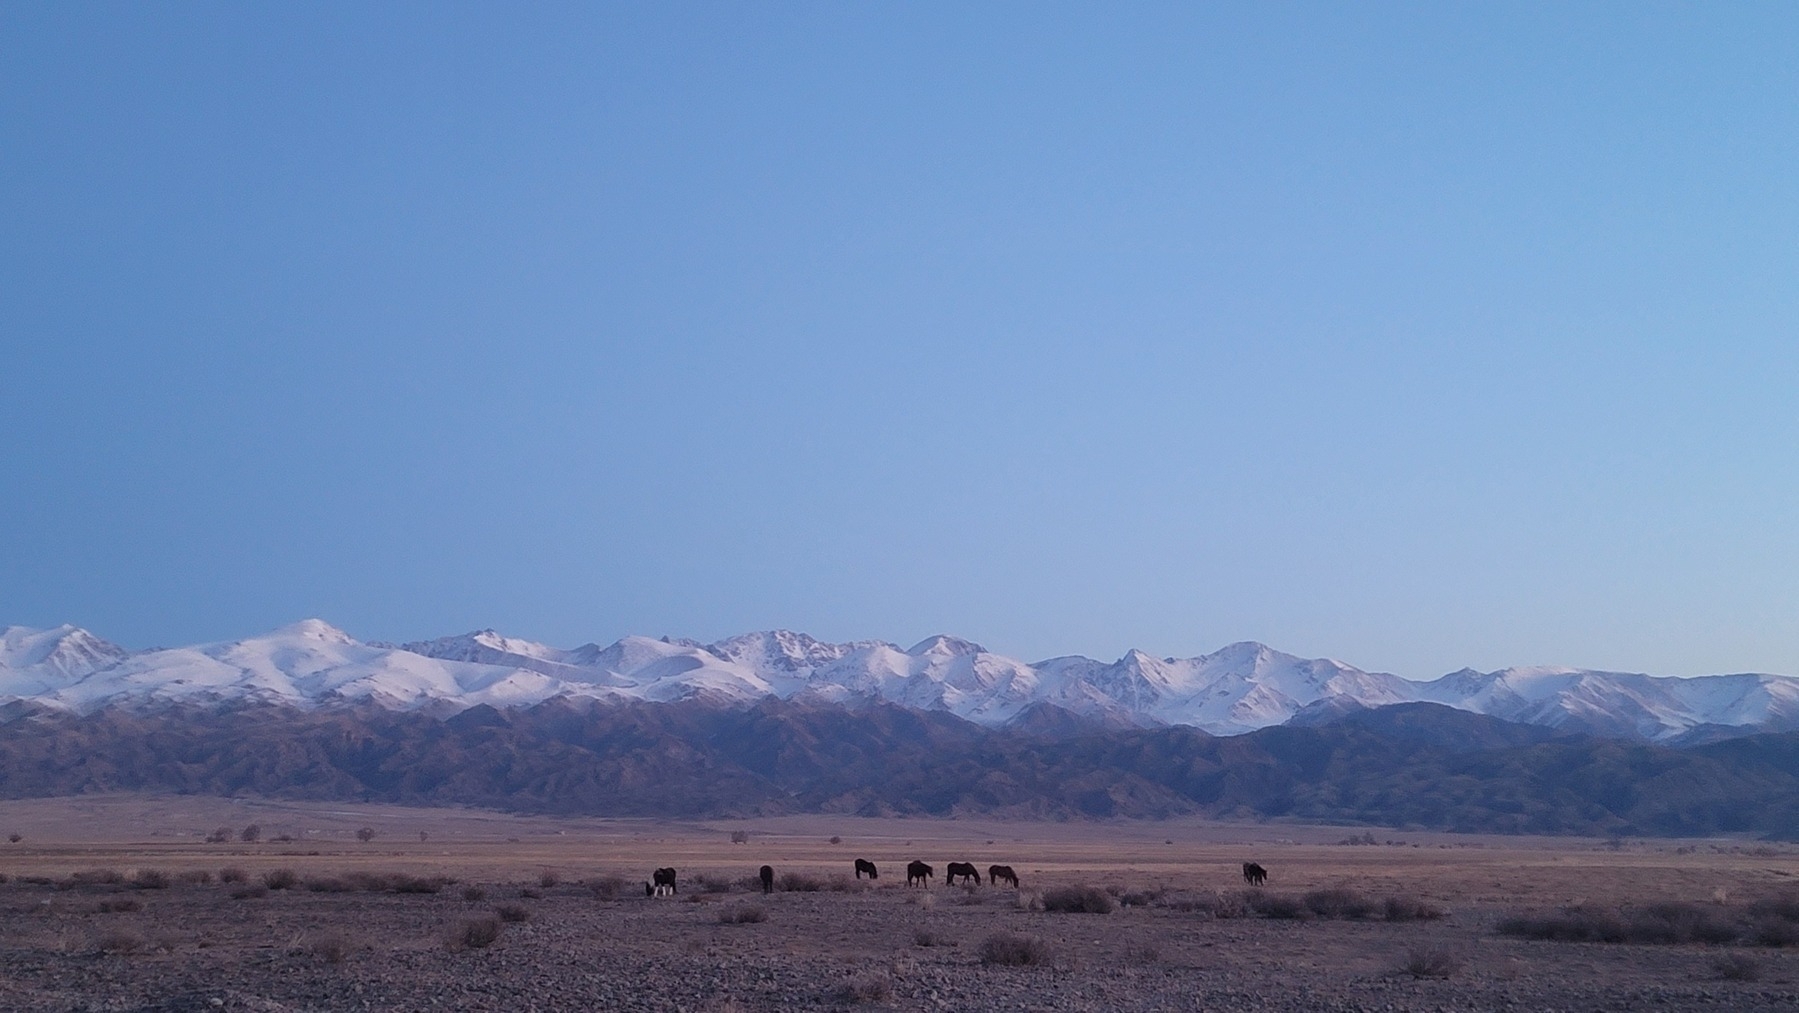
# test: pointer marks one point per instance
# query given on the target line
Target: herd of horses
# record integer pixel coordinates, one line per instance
(917, 874)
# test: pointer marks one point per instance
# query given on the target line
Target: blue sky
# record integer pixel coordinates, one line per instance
(1419, 336)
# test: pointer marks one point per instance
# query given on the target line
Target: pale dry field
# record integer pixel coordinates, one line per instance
(64, 945)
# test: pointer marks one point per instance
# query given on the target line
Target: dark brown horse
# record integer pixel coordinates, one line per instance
(918, 872)
(767, 872)
(960, 870)
(864, 865)
(995, 873)
(1254, 874)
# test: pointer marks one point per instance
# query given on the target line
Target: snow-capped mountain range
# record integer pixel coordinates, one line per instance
(1237, 689)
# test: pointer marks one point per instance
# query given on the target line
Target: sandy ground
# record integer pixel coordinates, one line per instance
(66, 945)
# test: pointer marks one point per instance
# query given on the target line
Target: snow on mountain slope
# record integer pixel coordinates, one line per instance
(1238, 688)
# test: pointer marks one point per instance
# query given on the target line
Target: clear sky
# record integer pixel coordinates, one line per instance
(1419, 336)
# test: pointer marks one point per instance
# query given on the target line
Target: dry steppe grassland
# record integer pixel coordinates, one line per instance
(123, 903)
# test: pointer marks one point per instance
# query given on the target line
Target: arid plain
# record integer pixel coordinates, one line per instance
(123, 903)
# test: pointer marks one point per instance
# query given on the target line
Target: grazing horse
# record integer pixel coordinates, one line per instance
(995, 873)
(960, 870)
(767, 874)
(918, 872)
(1254, 874)
(864, 865)
(665, 879)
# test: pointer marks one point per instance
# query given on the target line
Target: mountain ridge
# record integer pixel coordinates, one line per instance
(1239, 688)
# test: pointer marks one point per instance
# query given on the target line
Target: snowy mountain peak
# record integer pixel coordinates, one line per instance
(943, 644)
(1237, 688)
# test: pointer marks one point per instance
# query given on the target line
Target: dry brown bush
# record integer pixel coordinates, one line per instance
(330, 946)
(232, 874)
(1078, 900)
(869, 986)
(473, 894)
(1736, 967)
(475, 933)
(513, 913)
(744, 915)
(194, 877)
(926, 937)
(1409, 909)
(1338, 902)
(249, 891)
(799, 882)
(1012, 950)
(119, 941)
(607, 887)
(548, 878)
(1430, 962)
(120, 904)
(280, 879)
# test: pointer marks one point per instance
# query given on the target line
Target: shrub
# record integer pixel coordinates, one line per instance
(740, 837)
(836, 839)
(96, 877)
(1658, 923)
(718, 884)
(513, 913)
(1011, 950)
(527, 893)
(473, 894)
(971, 897)
(475, 933)
(219, 836)
(1774, 932)
(251, 834)
(1078, 900)
(747, 914)
(1784, 907)
(15, 838)
(548, 878)
(366, 834)
(195, 877)
(1276, 905)
(869, 986)
(331, 947)
(280, 879)
(121, 904)
(232, 874)
(607, 887)
(799, 882)
(330, 884)
(417, 884)
(1338, 902)
(1430, 962)
(1409, 909)
(119, 941)
(925, 937)
(1736, 967)
(249, 891)
(1142, 955)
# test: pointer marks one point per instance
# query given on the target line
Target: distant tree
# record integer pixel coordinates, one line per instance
(366, 834)
(740, 837)
(15, 838)
(423, 837)
(250, 834)
(219, 836)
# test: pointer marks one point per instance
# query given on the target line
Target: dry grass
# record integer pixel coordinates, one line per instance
(120, 904)
(280, 879)
(120, 941)
(1655, 923)
(331, 946)
(1736, 967)
(513, 913)
(232, 874)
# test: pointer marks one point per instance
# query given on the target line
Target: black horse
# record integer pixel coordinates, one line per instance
(995, 873)
(767, 872)
(918, 872)
(663, 877)
(960, 870)
(1254, 874)
(864, 865)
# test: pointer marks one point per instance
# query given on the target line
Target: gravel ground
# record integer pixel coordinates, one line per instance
(195, 948)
